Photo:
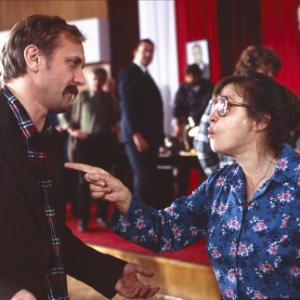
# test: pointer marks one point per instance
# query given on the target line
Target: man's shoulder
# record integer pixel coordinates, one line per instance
(5, 113)
(131, 70)
(183, 89)
(1, 95)
(206, 83)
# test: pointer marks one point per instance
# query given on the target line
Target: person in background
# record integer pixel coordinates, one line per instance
(253, 58)
(190, 102)
(42, 65)
(141, 121)
(191, 99)
(92, 130)
(70, 178)
(258, 59)
(248, 211)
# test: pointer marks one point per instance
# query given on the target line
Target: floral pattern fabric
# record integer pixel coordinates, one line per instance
(254, 247)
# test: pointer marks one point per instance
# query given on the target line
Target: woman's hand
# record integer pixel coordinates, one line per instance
(104, 186)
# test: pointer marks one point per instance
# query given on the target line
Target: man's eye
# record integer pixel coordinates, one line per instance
(72, 63)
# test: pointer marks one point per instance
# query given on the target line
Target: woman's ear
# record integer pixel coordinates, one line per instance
(262, 124)
(31, 56)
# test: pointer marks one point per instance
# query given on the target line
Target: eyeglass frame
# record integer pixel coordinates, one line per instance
(228, 104)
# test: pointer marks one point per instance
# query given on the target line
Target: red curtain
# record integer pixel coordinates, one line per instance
(281, 32)
(239, 27)
(196, 19)
(228, 25)
(124, 32)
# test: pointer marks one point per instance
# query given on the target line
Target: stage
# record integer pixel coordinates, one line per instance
(178, 280)
(184, 274)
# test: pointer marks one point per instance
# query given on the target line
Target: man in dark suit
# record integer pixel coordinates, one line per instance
(141, 121)
(42, 68)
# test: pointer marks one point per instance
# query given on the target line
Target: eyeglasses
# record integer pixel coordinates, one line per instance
(222, 105)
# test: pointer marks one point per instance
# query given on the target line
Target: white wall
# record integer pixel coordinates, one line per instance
(3, 38)
(157, 22)
(96, 46)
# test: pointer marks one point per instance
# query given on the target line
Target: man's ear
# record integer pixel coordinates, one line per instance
(263, 123)
(32, 59)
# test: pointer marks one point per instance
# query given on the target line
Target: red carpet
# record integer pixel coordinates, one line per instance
(195, 253)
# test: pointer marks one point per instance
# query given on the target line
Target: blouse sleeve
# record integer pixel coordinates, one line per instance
(181, 224)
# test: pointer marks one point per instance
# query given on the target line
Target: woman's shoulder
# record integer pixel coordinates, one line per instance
(289, 163)
(222, 176)
(219, 180)
(290, 157)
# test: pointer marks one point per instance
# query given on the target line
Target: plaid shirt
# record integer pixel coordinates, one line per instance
(209, 160)
(55, 278)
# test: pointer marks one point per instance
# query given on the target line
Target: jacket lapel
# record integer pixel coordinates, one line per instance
(13, 150)
(55, 158)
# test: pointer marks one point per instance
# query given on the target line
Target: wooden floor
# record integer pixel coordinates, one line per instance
(177, 279)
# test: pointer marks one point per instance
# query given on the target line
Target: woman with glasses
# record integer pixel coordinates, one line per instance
(252, 59)
(249, 212)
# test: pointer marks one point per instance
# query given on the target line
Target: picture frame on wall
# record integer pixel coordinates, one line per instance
(197, 53)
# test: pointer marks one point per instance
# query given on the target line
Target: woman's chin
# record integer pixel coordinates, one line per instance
(219, 149)
(214, 147)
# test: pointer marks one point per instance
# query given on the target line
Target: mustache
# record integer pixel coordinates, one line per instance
(71, 89)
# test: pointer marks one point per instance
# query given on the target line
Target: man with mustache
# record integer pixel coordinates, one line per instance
(42, 65)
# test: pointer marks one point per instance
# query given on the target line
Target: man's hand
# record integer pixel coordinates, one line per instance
(77, 133)
(104, 186)
(23, 295)
(164, 150)
(140, 143)
(130, 286)
(60, 128)
(178, 130)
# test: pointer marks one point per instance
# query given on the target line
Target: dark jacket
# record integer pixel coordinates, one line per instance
(25, 237)
(141, 106)
(191, 100)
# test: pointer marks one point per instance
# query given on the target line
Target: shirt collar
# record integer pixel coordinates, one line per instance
(27, 127)
(141, 66)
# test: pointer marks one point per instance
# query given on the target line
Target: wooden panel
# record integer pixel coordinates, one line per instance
(176, 279)
(13, 11)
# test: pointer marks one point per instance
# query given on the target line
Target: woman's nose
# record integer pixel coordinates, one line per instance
(213, 115)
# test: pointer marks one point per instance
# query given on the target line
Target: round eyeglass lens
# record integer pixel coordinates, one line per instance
(222, 105)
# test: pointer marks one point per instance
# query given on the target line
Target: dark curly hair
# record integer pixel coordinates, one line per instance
(258, 59)
(264, 95)
(193, 70)
(141, 41)
(100, 72)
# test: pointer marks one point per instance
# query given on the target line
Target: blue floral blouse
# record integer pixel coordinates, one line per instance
(254, 248)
